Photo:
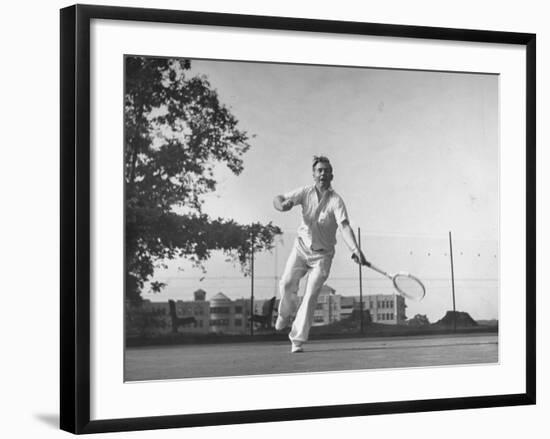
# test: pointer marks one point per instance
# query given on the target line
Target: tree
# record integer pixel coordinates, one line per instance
(419, 320)
(176, 132)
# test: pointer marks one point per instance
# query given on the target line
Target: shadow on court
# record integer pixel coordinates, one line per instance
(274, 357)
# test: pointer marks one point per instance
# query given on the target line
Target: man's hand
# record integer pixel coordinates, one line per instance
(281, 204)
(359, 257)
(287, 205)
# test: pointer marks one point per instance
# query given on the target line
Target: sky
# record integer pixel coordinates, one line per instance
(415, 155)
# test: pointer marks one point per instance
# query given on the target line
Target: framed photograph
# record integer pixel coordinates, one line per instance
(276, 218)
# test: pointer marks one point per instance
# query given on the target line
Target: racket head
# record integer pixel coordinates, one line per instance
(409, 286)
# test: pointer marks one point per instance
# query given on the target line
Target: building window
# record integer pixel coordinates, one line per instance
(238, 310)
(219, 310)
(238, 322)
(319, 306)
(319, 319)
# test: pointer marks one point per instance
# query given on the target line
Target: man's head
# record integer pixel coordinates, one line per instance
(322, 172)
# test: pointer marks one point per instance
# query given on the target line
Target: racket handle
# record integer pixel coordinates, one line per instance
(372, 267)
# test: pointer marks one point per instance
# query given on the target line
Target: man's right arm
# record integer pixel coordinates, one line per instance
(282, 204)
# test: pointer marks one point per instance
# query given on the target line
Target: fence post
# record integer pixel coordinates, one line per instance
(452, 280)
(360, 281)
(251, 284)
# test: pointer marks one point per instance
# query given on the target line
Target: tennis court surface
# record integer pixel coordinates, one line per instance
(274, 357)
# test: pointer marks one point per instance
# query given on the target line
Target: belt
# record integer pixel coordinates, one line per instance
(311, 248)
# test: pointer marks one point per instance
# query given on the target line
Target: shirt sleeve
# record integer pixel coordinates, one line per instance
(340, 211)
(296, 196)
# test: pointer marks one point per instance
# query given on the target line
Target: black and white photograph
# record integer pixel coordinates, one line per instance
(289, 218)
(275, 219)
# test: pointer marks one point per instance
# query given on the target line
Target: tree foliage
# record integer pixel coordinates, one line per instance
(419, 320)
(176, 132)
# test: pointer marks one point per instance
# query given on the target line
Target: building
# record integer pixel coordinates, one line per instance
(197, 309)
(155, 318)
(228, 316)
(347, 305)
(328, 308)
(151, 318)
(387, 309)
(220, 315)
(223, 315)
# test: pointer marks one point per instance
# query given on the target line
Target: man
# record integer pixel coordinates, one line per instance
(323, 211)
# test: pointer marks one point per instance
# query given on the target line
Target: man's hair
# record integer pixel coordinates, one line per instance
(321, 159)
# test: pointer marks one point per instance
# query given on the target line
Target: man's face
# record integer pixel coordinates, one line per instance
(322, 174)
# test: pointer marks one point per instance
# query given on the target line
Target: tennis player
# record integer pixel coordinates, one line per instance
(323, 212)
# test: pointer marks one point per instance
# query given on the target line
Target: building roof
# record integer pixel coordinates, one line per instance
(220, 297)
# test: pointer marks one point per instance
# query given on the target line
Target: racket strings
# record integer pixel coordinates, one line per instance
(409, 286)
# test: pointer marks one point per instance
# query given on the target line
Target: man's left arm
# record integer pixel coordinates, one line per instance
(341, 215)
(351, 242)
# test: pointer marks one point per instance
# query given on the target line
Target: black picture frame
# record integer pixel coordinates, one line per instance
(75, 217)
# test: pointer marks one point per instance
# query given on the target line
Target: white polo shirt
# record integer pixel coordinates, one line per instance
(320, 218)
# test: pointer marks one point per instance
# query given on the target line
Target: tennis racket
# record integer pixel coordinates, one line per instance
(406, 284)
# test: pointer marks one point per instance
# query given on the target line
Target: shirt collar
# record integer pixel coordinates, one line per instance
(329, 190)
(325, 196)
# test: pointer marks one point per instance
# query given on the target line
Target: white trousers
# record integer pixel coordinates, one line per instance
(302, 261)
